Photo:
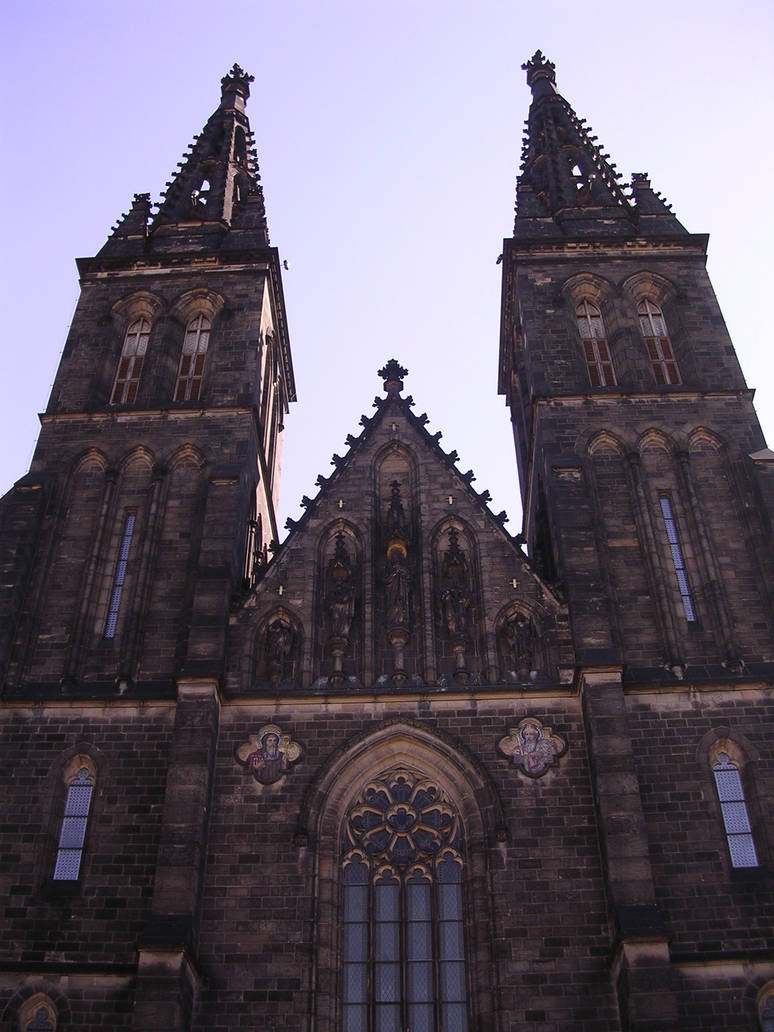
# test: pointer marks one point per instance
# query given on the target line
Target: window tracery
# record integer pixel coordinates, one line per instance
(130, 365)
(403, 933)
(595, 347)
(191, 371)
(657, 341)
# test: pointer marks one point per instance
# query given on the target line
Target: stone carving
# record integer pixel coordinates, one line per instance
(519, 641)
(340, 591)
(278, 647)
(533, 747)
(268, 754)
(398, 585)
(455, 587)
(339, 603)
(395, 524)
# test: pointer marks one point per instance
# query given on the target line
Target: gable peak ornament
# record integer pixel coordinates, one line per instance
(268, 754)
(392, 374)
(532, 746)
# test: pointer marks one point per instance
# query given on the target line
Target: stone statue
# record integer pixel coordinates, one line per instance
(519, 640)
(340, 592)
(398, 583)
(455, 587)
(279, 648)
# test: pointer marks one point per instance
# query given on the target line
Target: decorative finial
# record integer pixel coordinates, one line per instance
(538, 69)
(235, 84)
(393, 374)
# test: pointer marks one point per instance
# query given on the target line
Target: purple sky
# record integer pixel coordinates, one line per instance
(388, 137)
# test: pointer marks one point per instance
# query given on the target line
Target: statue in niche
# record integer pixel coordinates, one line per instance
(340, 592)
(279, 650)
(398, 588)
(267, 755)
(395, 524)
(519, 639)
(532, 746)
(455, 587)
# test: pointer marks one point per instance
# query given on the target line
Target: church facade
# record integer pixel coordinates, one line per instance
(403, 772)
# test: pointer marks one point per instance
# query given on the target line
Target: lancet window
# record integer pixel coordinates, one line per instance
(657, 342)
(595, 346)
(131, 362)
(678, 560)
(402, 928)
(72, 833)
(189, 377)
(736, 819)
(119, 575)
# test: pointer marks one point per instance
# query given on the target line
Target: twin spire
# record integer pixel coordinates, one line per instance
(568, 185)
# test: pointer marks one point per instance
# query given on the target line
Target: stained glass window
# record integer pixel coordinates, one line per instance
(595, 347)
(403, 931)
(73, 831)
(736, 820)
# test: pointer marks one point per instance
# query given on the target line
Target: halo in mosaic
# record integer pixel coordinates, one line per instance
(268, 754)
(532, 746)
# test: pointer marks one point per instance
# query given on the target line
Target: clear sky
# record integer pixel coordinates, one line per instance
(388, 137)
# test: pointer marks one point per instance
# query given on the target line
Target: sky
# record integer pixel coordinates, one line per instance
(388, 137)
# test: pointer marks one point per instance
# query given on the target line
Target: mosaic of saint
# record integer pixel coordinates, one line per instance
(532, 746)
(268, 754)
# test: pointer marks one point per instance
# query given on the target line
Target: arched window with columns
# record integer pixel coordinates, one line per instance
(401, 824)
(403, 952)
(660, 352)
(595, 347)
(191, 371)
(127, 380)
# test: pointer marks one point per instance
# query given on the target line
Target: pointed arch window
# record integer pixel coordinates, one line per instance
(189, 377)
(657, 342)
(41, 1021)
(119, 574)
(736, 819)
(767, 1012)
(595, 347)
(131, 362)
(678, 560)
(402, 915)
(38, 1015)
(72, 833)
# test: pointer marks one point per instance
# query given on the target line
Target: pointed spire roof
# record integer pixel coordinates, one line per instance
(217, 181)
(568, 185)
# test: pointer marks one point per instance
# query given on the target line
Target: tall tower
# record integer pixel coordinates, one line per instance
(647, 493)
(152, 492)
(638, 447)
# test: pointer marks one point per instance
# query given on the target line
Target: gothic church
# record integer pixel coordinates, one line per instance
(402, 772)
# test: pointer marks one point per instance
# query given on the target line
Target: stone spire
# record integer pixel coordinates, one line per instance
(217, 181)
(567, 184)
